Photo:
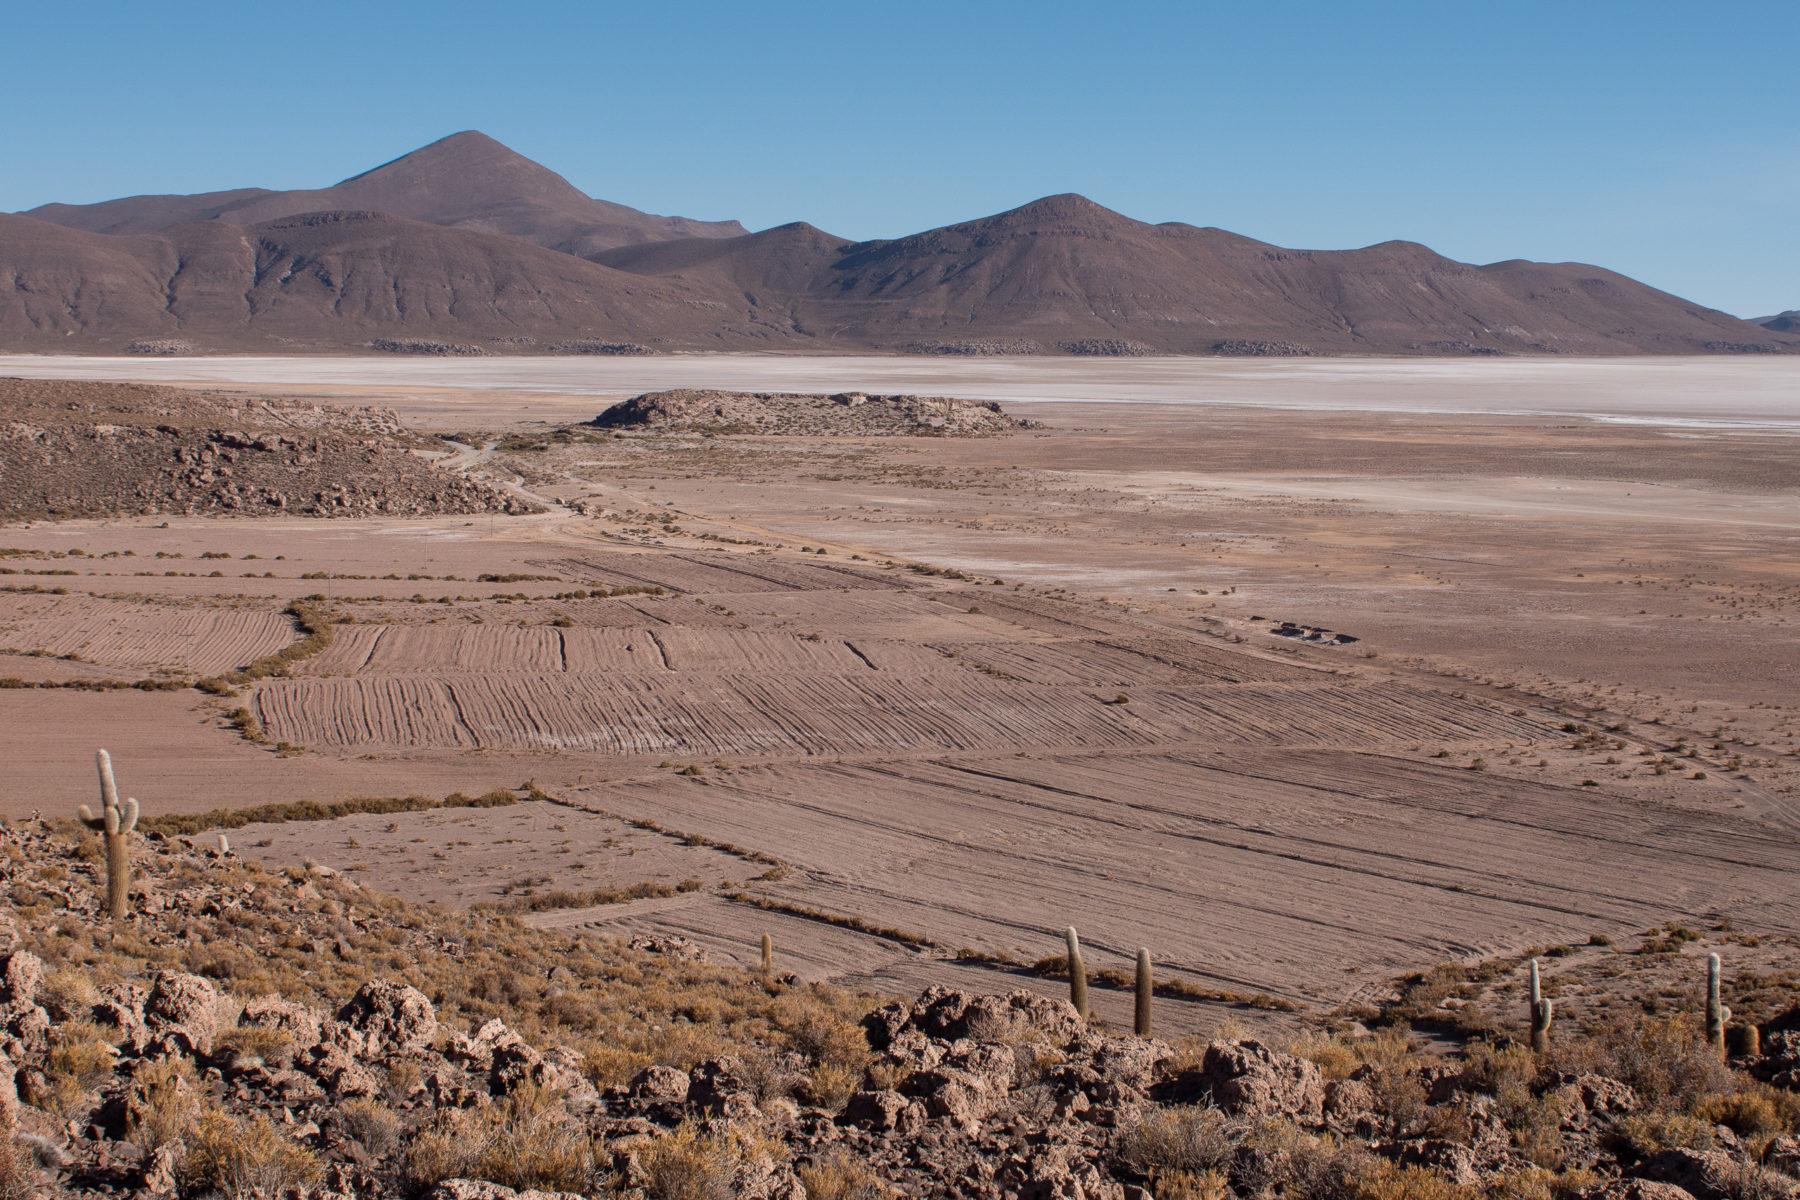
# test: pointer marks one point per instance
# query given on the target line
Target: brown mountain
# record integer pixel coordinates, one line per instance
(466, 243)
(333, 280)
(1784, 322)
(1063, 271)
(466, 181)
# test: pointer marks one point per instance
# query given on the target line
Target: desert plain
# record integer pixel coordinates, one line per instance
(1302, 675)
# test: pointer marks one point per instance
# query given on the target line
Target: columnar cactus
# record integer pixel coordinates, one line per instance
(116, 821)
(1146, 985)
(1716, 1013)
(1542, 1013)
(768, 955)
(1077, 975)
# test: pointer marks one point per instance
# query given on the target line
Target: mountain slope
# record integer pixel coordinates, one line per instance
(1784, 322)
(1064, 269)
(334, 279)
(467, 181)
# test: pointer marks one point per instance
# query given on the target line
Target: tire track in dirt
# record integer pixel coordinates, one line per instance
(1263, 906)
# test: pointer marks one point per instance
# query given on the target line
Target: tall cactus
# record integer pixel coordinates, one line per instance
(1716, 1013)
(116, 821)
(1078, 995)
(768, 956)
(1146, 985)
(1543, 1012)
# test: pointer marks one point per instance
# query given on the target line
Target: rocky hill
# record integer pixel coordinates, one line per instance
(248, 1032)
(464, 181)
(97, 449)
(467, 243)
(847, 414)
(1783, 322)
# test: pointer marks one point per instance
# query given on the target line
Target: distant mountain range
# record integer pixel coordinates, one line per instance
(1786, 322)
(466, 247)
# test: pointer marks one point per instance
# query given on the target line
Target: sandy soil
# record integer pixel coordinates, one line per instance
(1030, 681)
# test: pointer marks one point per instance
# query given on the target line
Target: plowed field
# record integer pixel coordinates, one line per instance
(139, 636)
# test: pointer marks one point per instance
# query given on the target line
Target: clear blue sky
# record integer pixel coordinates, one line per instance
(1656, 138)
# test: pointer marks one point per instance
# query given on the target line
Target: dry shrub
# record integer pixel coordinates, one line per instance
(79, 1060)
(371, 1123)
(841, 1176)
(1379, 1179)
(608, 1065)
(1400, 1096)
(1186, 1185)
(1536, 1125)
(1665, 1060)
(1334, 1058)
(243, 1158)
(162, 1104)
(1642, 1134)
(689, 1164)
(1191, 1140)
(1503, 1071)
(1747, 1114)
(18, 1172)
(1388, 1047)
(67, 994)
(529, 1140)
(1276, 1155)
(885, 1076)
(830, 1086)
(820, 1023)
(267, 1044)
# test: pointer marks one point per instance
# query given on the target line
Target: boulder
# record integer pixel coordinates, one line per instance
(882, 1112)
(23, 972)
(9, 1094)
(183, 1004)
(1247, 1078)
(1715, 1175)
(1634, 1189)
(481, 1189)
(1783, 1154)
(660, 1085)
(305, 1025)
(394, 1017)
(949, 1015)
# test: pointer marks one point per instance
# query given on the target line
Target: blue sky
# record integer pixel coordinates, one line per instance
(1658, 139)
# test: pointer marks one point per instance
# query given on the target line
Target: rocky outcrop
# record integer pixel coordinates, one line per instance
(845, 414)
(69, 449)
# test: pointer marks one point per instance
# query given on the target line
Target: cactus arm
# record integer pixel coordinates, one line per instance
(109, 791)
(90, 820)
(129, 815)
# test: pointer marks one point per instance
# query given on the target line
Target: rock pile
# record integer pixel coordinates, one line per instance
(846, 414)
(129, 458)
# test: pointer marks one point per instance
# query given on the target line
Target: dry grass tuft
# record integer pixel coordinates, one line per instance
(240, 1158)
(841, 1176)
(529, 1140)
(162, 1104)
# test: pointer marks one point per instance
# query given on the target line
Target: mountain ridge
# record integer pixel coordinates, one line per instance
(486, 247)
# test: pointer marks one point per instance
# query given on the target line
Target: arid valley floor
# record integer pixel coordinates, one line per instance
(913, 705)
